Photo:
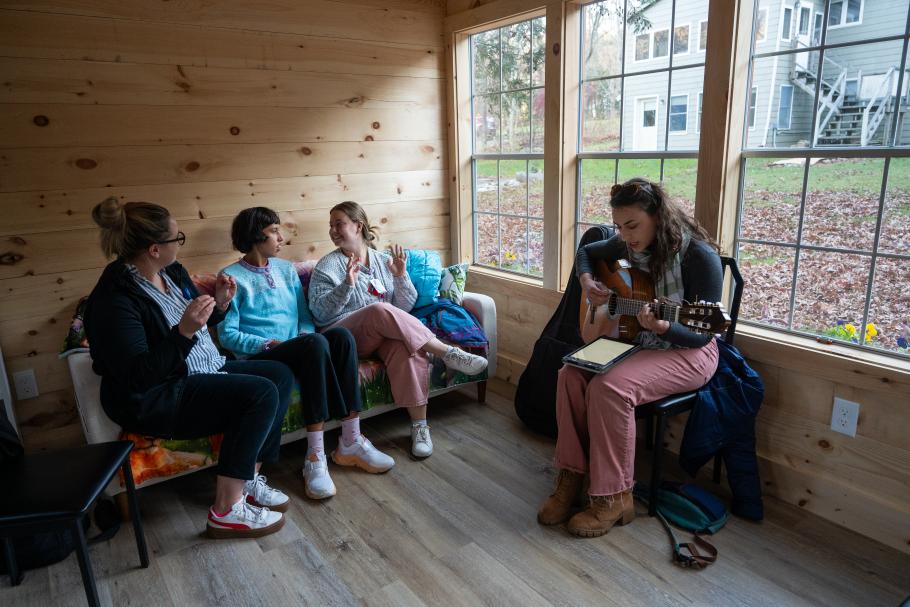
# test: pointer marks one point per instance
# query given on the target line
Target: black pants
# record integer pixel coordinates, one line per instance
(325, 364)
(248, 405)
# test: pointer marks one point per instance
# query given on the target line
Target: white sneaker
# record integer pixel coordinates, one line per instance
(421, 443)
(318, 484)
(243, 520)
(467, 363)
(258, 493)
(363, 455)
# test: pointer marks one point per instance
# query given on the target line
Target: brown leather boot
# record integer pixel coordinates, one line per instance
(558, 506)
(602, 513)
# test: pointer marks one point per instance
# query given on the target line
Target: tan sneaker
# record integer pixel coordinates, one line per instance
(558, 506)
(602, 513)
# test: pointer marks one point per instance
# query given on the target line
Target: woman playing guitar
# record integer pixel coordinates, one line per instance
(595, 413)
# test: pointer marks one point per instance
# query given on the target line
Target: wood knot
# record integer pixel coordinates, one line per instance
(18, 240)
(86, 164)
(384, 220)
(427, 149)
(186, 86)
(191, 166)
(824, 444)
(41, 120)
(311, 249)
(354, 101)
(368, 138)
(32, 332)
(802, 503)
(235, 130)
(556, 48)
(398, 188)
(59, 281)
(361, 156)
(375, 125)
(306, 151)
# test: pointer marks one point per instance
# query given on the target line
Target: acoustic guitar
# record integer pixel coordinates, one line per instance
(631, 290)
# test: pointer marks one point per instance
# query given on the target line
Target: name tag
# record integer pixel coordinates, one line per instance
(377, 288)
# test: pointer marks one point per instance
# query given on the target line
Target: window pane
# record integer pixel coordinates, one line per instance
(679, 111)
(805, 20)
(516, 56)
(842, 203)
(644, 112)
(681, 40)
(538, 50)
(836, 13)
(679, 181)
(858, 109)
(486, 123)
(768, 274)
(830, 289)
(485, 55)
(703, 36)
(853, 10)
(786, 26)
(513, 190)
(535, 246)
(661, 43)
(597, 177)
(514, 254)
(895, 231)
(535, 188)
(486, 184)
(516, 122)
(486, 240)
(600, 115)
(602, 38)
(783, 109)
(642, 47)
(752, 103)
(879, 19)
(683, 109)
(772, 190)
(761, 27)
(537, 119)
(634, 167)
(890, 328)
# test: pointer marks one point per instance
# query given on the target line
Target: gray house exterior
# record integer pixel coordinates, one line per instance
(858, 101)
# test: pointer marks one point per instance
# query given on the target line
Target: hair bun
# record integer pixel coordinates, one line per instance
(109, 214)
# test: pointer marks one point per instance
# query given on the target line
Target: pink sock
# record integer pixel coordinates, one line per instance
(314, 443)
(350, 430)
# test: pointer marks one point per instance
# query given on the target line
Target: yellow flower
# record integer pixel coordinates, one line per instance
(871, 332)
(851, 330)
(510, 256)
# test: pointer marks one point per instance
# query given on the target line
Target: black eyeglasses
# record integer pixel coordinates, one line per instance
(180, 240)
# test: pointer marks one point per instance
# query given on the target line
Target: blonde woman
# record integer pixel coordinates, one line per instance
(370, 293)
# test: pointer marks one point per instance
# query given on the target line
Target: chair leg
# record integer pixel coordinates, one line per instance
(482, 391)
(134, 514)
(649, 432)
(122, 501)
(718, 467)
(15, 575)
(657, 463)
(85, 565)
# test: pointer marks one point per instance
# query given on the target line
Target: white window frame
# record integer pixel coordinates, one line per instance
(807, 10)
(780, 99)
(703, 27)
(688, 27)
(670, 115)
(654, 54)
(650, 37)
(842, 20)
(765, 37)
(701, 96)
(787, 35)
(753, 108)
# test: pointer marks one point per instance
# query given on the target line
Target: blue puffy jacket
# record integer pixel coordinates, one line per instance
(723, 421)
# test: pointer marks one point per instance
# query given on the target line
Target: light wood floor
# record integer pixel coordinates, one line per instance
(459, 529)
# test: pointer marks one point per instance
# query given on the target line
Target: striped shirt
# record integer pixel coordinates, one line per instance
(204, 357)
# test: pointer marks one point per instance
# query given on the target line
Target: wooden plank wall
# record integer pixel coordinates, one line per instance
(861, 483)
(206, 108)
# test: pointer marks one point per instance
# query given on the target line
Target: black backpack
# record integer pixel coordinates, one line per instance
(535, 398)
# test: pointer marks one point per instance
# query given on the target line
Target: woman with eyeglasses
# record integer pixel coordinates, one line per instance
(163, 376)
(596, 413)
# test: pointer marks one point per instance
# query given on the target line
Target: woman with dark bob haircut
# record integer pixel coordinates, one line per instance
(161, 374)
(269, 319)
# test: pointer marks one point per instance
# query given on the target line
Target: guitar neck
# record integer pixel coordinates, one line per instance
(631, 307)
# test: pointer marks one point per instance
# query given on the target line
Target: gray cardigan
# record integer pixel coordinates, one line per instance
(702, 274)
(332, 298)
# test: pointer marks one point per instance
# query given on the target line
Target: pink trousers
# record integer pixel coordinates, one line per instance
(596, 413)
(396, 338)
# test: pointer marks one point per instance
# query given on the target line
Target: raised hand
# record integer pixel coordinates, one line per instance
(196, 315)
(398, 261)
(353, 270)
(225, 289)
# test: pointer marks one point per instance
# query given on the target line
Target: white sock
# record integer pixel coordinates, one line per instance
(314, 442)
(350, 431)
(418, 422)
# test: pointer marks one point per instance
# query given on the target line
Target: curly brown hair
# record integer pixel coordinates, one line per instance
(671, 219)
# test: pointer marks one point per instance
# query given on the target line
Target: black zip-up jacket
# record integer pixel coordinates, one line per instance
(140, 358)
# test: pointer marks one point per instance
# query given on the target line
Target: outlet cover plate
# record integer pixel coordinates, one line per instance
(26, 384)
(844, 416)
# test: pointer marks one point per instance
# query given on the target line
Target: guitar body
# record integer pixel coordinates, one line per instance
(626, 282)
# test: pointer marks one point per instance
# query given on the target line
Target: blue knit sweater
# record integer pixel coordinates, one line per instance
(269, 304)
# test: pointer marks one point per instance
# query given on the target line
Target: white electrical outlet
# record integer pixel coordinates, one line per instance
(844, 416)
(26, 384)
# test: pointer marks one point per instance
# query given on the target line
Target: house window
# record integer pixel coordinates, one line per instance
(703, 35)
(821, 232)
(661, 43)
(785, 107)
(642, 47)
(679, 110)
(805, 15)
(698, 117)
(681, 40)
(845, 12)
(761, 25)
(507, 105)
(786, 26)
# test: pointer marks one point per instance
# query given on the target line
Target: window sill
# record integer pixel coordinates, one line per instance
(774, 347)
(493, 273)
